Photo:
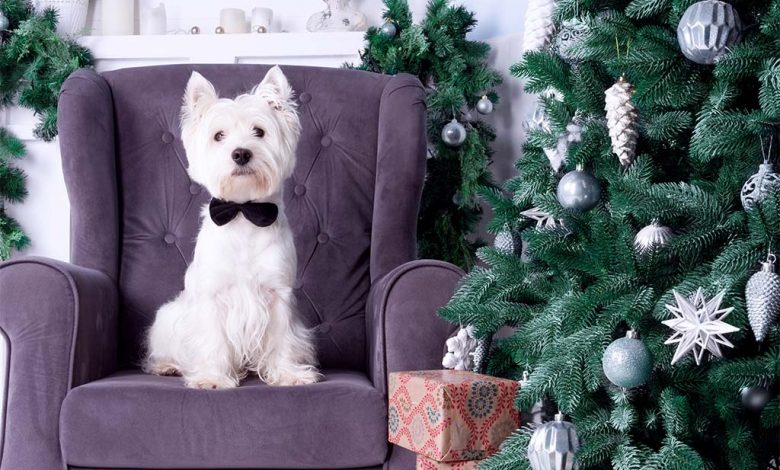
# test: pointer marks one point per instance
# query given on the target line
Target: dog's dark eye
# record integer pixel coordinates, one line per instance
(219, 136)
(259, 132)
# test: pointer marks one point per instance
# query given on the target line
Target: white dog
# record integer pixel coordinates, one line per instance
(235, 314)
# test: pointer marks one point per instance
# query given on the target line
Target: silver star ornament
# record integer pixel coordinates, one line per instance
(543, 219)
(698, 325)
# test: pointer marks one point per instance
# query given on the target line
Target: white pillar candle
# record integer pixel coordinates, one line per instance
(153, 20)
(233, 21)
(261, 19)
(118, 17)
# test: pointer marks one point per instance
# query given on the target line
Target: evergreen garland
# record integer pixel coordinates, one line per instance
(34, 62)
(700, 134)
(456, 75)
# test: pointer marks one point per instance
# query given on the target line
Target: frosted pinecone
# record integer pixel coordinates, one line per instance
(621, 121)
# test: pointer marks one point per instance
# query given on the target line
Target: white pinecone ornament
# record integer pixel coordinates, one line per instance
(621, 121)
(539, 27)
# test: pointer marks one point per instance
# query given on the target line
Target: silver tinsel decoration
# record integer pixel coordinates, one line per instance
(759, 186)
(484, 105)
(651, 237)
(578, 190)
(389, 29)
(627, 362)
(762, 295)
(453, 134)
(553, 445)
(572, 33)
(707, 30)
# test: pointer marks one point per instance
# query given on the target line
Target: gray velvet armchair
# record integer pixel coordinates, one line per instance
(75, 397)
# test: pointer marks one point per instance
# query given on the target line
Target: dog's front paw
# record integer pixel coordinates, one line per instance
(210, 383)
(305, 377)
(164, 370)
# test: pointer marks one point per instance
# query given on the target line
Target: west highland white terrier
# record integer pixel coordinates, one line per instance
(236, 313)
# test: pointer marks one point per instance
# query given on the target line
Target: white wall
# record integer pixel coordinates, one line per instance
(44, 214)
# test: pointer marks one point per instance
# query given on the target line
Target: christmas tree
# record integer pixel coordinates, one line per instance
(34, 62)
(460, 86)
(655, 224)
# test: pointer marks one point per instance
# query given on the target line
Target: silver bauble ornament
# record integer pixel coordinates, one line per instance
(553, 445)
(195, 30)
(578, 190)
(484, 105)
(219, 30)
(389, 29)
(762, 295)
(572, 33)
(759, 186)
(755, 398)
(4, 23)
(453, 134)
(707, 30)
(651, 237)
(627, 362)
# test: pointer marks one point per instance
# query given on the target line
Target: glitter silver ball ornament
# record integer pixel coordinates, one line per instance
(4, 23)
(707, 30)
(553, 445)
(578, 190)
(389, 29)
(195, 30)
(762, 295)
(759, 186)
(453, 134)
(627, 362)
(572, 33)
(755, 398)
(484, 105)
(651, 237)
(508, 241)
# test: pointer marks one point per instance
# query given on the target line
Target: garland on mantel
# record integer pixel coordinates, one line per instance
(34, 62)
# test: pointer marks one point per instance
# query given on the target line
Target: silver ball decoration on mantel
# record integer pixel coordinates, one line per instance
(707, 30)
(484, 105)
(219, 30)
(762, 296)
(578, 190)
(759, 186)
(627, 362)
(388, 29)
(755, 398)
(651, 237)
(195, 30)
(553, 445)
(453, 134)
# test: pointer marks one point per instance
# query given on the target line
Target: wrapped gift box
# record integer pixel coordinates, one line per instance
(424, 463)
(451, 415)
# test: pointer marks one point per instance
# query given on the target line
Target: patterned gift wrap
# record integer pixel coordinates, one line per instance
(451, 415)
(424, 463)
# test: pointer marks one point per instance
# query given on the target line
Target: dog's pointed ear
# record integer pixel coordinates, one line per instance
(276, 90)
(198, 97)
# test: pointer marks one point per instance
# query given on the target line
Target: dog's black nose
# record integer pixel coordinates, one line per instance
(242, 156)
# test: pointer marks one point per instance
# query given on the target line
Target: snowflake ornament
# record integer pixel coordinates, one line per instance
(698, 325)
(543, 219)
(460, 350)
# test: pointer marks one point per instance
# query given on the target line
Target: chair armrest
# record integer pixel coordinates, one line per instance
(404, 330)
(60, 326)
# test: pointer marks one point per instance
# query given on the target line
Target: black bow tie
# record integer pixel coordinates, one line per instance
(261, 214)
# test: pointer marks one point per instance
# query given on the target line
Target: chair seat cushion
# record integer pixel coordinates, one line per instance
(135, 420)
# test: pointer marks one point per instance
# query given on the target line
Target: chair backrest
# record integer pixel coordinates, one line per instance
(352, 201)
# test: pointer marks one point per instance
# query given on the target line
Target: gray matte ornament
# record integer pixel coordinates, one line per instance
(389, 29)
(759, 186)
(627, 362)
(755, 398)
(453, 134)
(484, 105)
(707, 30)
(4, 22)
(762, 295)
(553, 445)
(578, 190)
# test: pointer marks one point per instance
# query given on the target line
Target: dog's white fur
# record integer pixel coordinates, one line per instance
(236, 313)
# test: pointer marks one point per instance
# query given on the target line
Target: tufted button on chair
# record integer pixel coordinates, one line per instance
(74, 397)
